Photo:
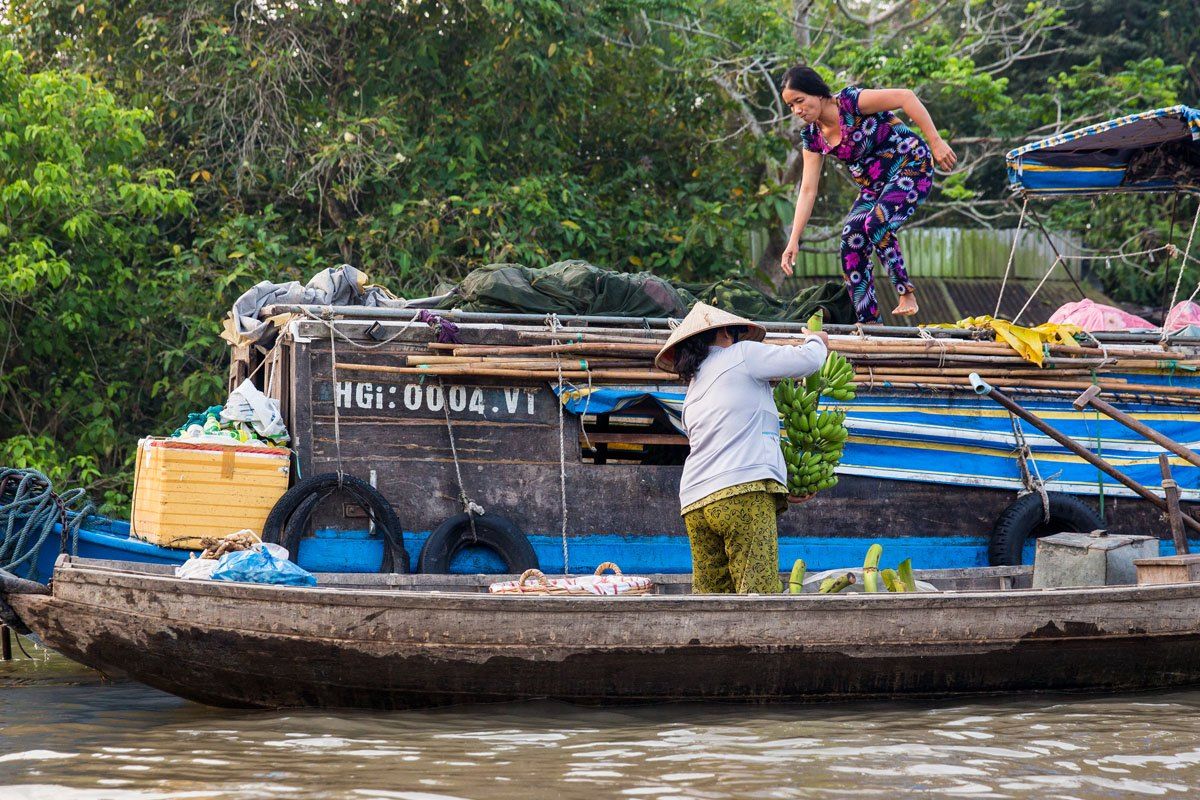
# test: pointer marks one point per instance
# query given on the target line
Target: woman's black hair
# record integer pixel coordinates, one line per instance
(805, 79)
(691, 352)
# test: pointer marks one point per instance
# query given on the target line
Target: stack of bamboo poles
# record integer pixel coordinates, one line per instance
(935, 364)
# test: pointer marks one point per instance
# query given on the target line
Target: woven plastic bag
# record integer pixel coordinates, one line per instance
(262, 564)
(1183, 315)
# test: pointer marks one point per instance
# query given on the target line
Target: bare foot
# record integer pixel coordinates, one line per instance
(907, 306)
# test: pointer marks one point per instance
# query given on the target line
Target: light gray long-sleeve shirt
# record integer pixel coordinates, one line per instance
(730, 416)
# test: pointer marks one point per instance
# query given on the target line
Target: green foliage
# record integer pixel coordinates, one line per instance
(79, 233)
(420, 140)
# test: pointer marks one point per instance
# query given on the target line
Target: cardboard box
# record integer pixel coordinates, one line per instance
(184, 492)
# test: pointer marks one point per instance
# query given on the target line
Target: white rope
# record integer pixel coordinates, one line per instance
(470, 507)
(1120, 254)
(337, 422)
(1037, 289)
(1187, 252)
(1024, 459)
(1105, 359)
(1012, 254)
(929, 337)
(347, 339)
(554, 325)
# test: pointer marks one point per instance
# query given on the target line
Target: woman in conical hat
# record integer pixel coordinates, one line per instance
(735, 479)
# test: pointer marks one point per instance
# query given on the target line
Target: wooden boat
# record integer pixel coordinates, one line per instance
(399, 641)
(950, 455)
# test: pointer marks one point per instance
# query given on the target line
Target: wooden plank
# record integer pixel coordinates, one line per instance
(637, 438)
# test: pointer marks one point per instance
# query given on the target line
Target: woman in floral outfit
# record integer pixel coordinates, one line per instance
(892, 164)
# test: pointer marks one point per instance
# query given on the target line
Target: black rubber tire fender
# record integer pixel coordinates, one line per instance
(1025, 519)
(498, 534)
(285, 524)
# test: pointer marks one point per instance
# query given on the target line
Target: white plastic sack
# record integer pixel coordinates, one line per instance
(199, 569)
(812, 582)
(247, 404)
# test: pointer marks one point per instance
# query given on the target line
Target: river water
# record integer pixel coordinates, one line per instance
(67, 734)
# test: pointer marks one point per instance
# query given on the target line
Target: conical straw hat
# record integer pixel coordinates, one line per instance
(701, 318)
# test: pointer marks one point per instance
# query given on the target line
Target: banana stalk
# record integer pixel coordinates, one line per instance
(905, 572)
(891, 580)
(796, 581)
(871, 568)
(834, 584)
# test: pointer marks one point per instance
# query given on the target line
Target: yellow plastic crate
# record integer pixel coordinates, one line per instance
(183, 492)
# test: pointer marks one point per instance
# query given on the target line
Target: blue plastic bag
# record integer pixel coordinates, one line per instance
(260, 566)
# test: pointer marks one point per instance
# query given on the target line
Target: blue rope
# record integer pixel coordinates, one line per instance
(29, 510)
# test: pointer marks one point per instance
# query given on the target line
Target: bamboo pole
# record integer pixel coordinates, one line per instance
(568, 362)
(485, 372)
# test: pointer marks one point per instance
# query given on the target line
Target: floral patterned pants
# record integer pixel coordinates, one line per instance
(735, 545)
(880, 210)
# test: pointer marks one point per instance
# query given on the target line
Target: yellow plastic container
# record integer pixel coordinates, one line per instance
(183, 492)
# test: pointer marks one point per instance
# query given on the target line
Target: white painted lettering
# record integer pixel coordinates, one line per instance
(458, 398)
(477, 402)
(342, 391)
(511, 396)
(434, 399)
(362, 395)
(412, 397)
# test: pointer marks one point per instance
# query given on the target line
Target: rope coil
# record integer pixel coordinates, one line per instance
(29, 510)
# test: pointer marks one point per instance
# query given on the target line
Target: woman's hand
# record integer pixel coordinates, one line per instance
(822, 335)
(907, 306)
(943, 156)
(788, 262)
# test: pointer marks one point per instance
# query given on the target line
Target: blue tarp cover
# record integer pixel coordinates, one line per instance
(971, 441)
(1155, 150)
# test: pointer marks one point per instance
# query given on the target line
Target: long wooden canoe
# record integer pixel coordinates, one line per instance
(392, 641)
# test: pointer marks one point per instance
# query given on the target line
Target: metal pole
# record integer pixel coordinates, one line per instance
(1092, 397)
(1174, 513)
(982, 387)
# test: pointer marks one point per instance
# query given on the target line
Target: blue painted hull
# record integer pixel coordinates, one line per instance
(356, 551)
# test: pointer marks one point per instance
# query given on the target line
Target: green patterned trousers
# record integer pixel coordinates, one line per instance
(735, 545)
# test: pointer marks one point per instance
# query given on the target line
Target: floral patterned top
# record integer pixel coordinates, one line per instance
(870, 143)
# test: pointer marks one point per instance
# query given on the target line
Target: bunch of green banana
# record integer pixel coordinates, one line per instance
(836, 378)
(813, 441)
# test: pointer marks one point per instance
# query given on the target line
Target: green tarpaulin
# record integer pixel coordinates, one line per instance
(577, 287)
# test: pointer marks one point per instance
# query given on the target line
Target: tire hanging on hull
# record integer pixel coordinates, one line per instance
(289, 518)
(498, 534)
(1026, 518)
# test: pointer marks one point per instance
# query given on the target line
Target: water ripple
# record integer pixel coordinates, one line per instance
(66, 736)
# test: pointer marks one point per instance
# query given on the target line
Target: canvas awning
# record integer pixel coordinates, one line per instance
(1155, 150)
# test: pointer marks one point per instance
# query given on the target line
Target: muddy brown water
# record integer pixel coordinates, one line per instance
(67, 734)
